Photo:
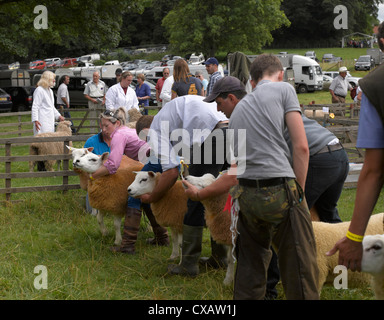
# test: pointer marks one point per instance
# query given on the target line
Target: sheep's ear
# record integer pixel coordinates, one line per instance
(151, 174)
(90, 149)
(135, 172)
(104, 156)
(70, 148)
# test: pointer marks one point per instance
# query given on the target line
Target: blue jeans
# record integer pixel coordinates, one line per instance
(325, 180)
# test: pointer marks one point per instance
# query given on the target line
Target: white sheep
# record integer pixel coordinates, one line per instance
(373, 262)
(168, 211)
(49, 148)
(218, 221)
(106, 194)
(326, 235)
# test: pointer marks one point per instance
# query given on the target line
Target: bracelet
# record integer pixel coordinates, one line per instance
(92, 178)
(354, 237)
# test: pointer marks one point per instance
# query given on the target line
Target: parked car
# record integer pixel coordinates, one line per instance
(311, 55)
(67, 62)
(354, 81)
(21, 98)
(365, 62)
(38, 64)
(5, 101)
(329, 57)
(327, 80)
(52, 62)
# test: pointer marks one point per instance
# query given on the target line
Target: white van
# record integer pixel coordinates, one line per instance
(90, 57)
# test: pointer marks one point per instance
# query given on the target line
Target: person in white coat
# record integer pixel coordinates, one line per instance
(122, 95)
(44, 112)
(166, 91)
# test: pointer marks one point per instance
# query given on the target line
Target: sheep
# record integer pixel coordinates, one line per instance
(133, 116)
(168, 211)
(326, 234)
(48, 148)
(373, 262)
(107, 194)
(217, 220)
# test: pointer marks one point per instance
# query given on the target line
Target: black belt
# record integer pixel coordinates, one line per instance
(97, 97)
(337, 95)
(262, 183)
(330, 148)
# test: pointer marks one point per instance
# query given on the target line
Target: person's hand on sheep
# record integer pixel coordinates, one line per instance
(350, 253)
(191, 191)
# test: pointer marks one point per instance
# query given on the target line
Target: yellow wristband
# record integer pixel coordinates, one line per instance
(354, 237)
(92, 178)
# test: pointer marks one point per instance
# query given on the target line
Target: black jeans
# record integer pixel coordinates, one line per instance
(206, 164)
(325, 180)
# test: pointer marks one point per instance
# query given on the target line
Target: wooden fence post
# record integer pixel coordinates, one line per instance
(8, 181)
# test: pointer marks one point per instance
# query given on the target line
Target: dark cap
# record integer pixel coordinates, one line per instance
(211, 61)
(118, 71)
(226, 84)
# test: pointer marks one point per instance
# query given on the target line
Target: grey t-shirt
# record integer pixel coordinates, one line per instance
(263, 152)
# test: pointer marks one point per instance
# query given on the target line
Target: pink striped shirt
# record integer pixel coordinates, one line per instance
(124, 141)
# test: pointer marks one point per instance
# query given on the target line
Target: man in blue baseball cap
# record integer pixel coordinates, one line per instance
(212, 67)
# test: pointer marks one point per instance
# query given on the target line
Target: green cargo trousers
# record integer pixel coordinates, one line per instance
(276, 215)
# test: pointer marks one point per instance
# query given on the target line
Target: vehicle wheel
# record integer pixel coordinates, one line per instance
(303, 89)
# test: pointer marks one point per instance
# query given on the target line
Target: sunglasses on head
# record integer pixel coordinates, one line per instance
(110, 113)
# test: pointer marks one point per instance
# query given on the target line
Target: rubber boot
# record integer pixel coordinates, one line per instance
(190, 252)
(161, 234)
(130, 231)
(218, 258)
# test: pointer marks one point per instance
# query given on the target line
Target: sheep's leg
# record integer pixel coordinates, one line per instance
(231, 267)
(176, 245)
(117, 224)
(100, 220)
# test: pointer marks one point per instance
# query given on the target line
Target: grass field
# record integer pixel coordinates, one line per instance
(52, 229)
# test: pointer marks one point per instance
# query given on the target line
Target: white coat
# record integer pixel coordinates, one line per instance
(116, 98)
(43, 110)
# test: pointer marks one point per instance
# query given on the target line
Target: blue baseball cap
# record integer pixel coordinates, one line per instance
(211, 61)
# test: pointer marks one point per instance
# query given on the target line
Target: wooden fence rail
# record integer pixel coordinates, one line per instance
(8, 159)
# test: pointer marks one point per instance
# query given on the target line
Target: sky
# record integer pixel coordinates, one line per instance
(381, 12)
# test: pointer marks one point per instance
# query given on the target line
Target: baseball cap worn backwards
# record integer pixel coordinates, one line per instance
(211, 61)
(223, 85)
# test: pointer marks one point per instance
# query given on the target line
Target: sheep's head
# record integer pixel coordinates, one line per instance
(144, 182)
(373, 254)
(85, 160)
(201, 182)
(63, 125)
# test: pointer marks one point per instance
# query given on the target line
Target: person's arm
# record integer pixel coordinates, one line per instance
(300, 149)
(166, 181)
(369, 186)
(218, 187)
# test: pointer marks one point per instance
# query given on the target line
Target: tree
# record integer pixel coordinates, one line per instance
(221, 25)
(312, 22)
(85, 25)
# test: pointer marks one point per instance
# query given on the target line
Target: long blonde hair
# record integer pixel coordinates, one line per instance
(46, 79)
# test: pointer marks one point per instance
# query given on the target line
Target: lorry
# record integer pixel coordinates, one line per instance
(303, 73)
(307, 72)
(376, 54)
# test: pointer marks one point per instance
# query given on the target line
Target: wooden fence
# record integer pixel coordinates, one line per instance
(8, 159)
(344, 125)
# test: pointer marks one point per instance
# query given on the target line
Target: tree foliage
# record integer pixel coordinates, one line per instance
(312, 21)
(84, 25)
(220, 25)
